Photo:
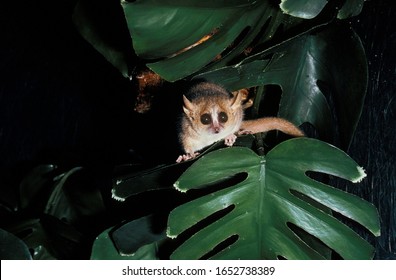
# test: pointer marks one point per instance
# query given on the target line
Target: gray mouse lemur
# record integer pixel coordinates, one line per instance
(212, 113)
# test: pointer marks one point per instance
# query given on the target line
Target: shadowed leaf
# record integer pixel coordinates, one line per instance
(313, 72)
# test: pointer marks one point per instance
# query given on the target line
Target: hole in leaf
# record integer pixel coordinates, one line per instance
(311, 201)
(310, 130)
(269, 103)
(326, 178)
(355, 226)
(318, 176)
(220, 247)
(212, 218)
(218, 185)
(313, 242)
(358, 228)
(184, 236)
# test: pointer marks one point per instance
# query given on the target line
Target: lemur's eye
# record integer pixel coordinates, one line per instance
(223, 117)
(206, 119)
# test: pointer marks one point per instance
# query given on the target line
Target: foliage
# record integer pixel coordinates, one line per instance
(256, 207)
(312, 73)
(12, 247)
(313, 65)
(174, 26)
(57, 212)
(235, 203)
(137, 233)
(275, 195)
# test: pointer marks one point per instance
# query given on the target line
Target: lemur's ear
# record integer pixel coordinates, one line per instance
(188, 106)
(236, 100)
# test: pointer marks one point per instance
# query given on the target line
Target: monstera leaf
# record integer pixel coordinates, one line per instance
(303, 8)
(12, 248)
(220, 27)
(314, 71)
(104, 249)
(135, 240)
(309, 9)
(261, 216)
(351, 8)
(180, 38)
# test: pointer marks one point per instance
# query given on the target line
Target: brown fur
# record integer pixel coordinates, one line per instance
(213, 100)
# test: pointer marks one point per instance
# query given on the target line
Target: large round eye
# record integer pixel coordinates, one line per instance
(223, 117)
(206, 119)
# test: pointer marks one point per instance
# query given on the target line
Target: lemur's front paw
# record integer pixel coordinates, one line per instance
(244, 132)
(186, 157)
(230, 140)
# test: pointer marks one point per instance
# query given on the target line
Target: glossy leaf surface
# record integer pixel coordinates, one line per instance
(102, 24)
(180, 38)
(307, 9)
(313, 71)
(351, 8)
(260, 210)
(174, 26)
(12, 248)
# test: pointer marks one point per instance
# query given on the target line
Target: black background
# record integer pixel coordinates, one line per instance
(61, 102)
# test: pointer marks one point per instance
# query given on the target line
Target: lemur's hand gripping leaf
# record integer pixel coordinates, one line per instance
(271, 198)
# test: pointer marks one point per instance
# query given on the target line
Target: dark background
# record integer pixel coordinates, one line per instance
(62, 103)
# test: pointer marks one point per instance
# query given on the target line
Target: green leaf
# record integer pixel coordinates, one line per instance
(296, 68)
(310, 70)
(351, 8)
(261, 210)
(74, 197)
(35, 183)
(102, 24)
(131, 236)
(309, 9)
(38, 239)
(12, 248)
(104, 249)
(143, 242)
(154, 179)
(168, 34)
(306, 9)
(157, 178)
(162, 30)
